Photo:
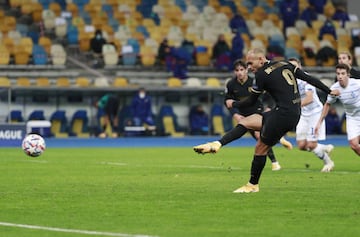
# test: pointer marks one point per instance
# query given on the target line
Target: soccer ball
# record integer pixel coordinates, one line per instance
(33, 145)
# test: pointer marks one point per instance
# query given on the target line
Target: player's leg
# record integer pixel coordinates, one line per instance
(275, 165)
(275, 125)
(257, 166)
(353, 133)
(252, 121)
(355, 146)
(306, 129)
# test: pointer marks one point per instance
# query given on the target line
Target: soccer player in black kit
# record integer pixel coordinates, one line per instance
(238, 88)
(278, 78)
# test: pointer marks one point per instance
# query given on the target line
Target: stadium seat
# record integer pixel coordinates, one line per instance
(15, 116)
(213, 82)
(193, 82)
(120, 82)
(23, 81)
(110, 55)
(40, 56)
(218, 120)
(37, 115)
(62, 82)
(82, 82)
(174, 82)
(59, 124)
(58, 54)
(5, 82)
(4, 55)
(46, 43)
(21, 55)
(168, 122)
(27, 43)
(147, 56)
(79, 124)
(48, 17)
(42, 82)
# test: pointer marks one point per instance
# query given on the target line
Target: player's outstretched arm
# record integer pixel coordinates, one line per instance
(312, 80)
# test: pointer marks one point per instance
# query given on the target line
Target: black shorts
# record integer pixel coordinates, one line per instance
(112, 106)
(276, 123)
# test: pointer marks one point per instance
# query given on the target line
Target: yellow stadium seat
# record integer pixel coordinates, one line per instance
(42, 82)
(23, 81)
(63, 82)
(213, 82)
(174, 82)
(120, 82)
(5, 82)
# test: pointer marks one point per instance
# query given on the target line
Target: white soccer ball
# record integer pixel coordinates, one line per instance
(33, 145)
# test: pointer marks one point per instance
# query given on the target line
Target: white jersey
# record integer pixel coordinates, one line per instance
(315, 106)
(349, 97)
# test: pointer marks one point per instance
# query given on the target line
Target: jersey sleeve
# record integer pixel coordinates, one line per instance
(355, 73)
(312, 80)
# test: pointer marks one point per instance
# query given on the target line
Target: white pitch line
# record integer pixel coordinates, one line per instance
(85, 232)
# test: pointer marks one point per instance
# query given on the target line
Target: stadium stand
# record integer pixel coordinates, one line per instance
(135, 28)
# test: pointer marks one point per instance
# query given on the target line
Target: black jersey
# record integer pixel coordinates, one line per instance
(278, 78)
(240, 91)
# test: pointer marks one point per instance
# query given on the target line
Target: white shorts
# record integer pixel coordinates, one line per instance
(352, 128)
(305, 129)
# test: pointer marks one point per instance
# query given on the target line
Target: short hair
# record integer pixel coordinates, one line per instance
(239, 62)
(346, 53)
(343, 66)
(257, 51)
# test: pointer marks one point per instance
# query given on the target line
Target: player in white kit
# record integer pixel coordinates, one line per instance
(349, 89)
(311, 108)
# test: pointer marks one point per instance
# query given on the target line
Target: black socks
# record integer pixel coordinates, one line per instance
(257, 167)
(233, 134)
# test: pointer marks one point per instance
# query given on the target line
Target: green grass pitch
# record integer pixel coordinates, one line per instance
(174, 192)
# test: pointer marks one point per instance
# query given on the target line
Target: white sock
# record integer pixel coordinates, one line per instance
(319, 151)
(326, 158)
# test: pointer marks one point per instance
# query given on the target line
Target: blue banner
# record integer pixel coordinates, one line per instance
(11, 135)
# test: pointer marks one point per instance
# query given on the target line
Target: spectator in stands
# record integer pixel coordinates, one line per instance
(327, 28)
(221, 53)
(236, 48)
(326, 54)
(332, 121)
(181, 60)
(341, 15)
(189, 46)
(238, 24)
(289, 10)
(274, 52)
(199, 121)
(164, 54)
(108, 106)
(309, 14)
(319, 5)
(96, 44)
(141, 110)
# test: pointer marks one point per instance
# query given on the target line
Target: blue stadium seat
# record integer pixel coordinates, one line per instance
(15, 116)
(219, 120)
(37, 115)
(40, 56)
(79, 125)
(72, 34)
(59, 124)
